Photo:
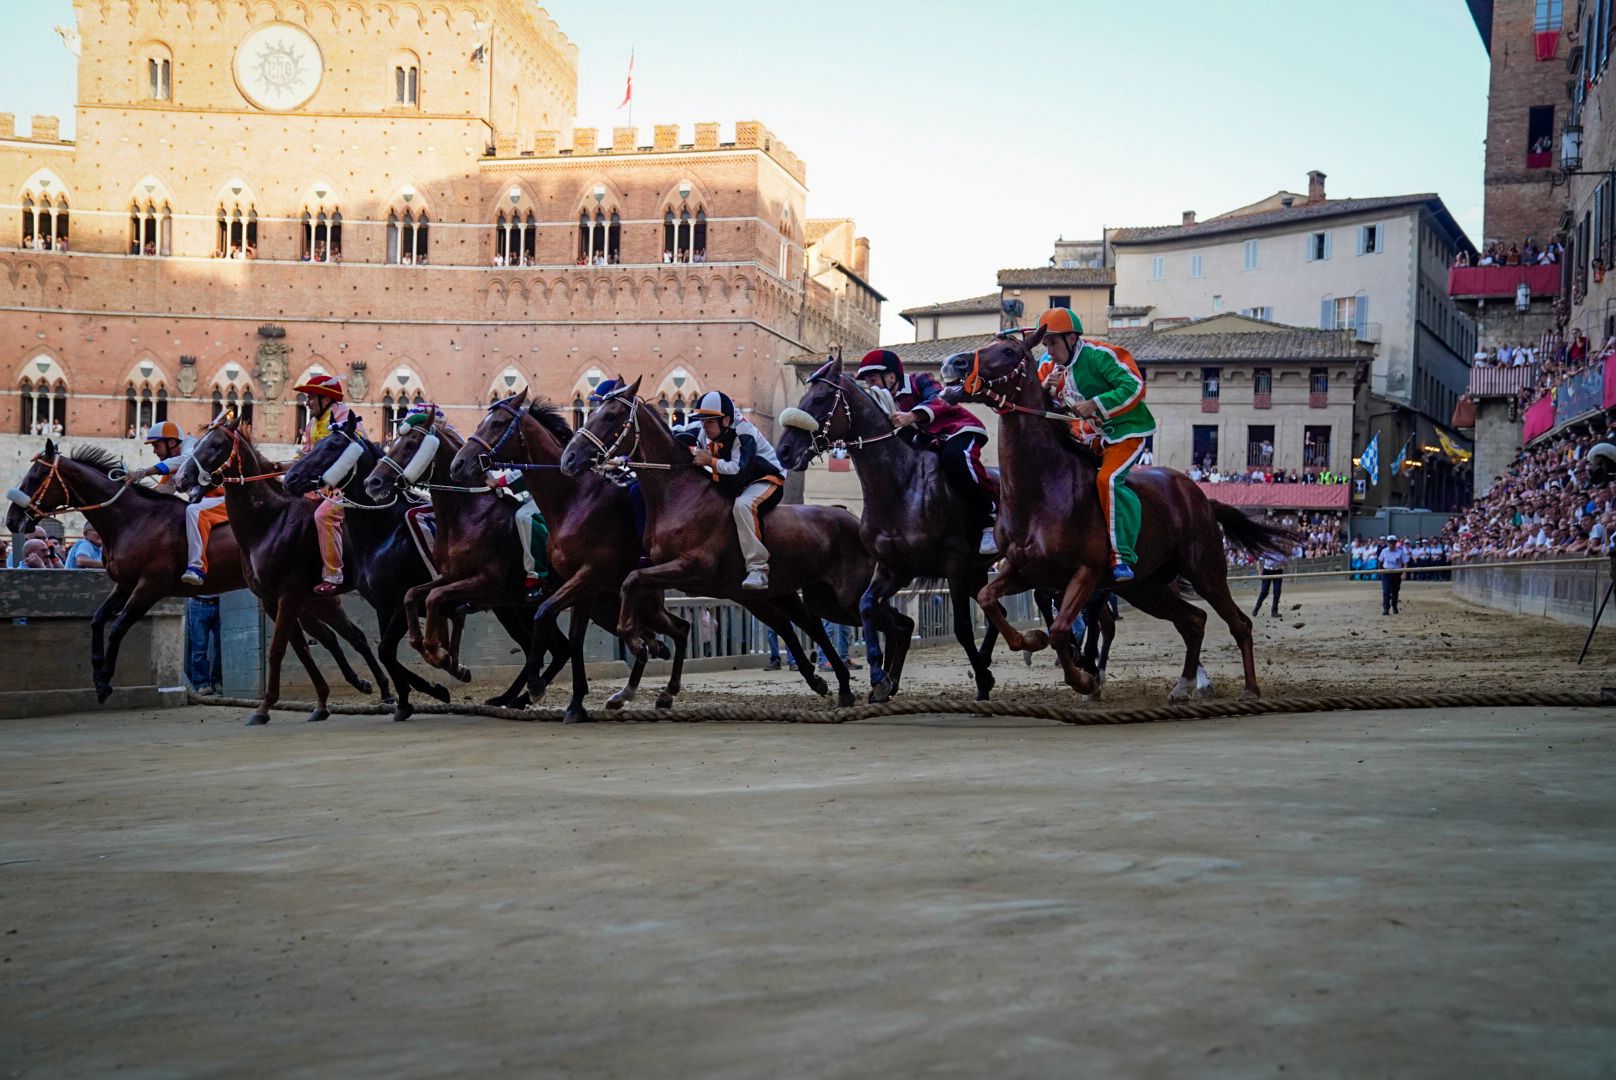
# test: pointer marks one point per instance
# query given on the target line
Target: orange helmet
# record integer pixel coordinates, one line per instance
(324, 385)
(164, 430)
(1059, 320)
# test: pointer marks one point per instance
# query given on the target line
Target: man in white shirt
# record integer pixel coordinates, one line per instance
(1395, 557)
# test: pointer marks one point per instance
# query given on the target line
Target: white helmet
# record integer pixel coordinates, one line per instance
(165, 429)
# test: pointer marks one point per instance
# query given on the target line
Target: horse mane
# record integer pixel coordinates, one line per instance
(551, 418)
(95, 457)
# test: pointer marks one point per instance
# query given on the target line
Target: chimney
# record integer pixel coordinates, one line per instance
(1189, 218)
(1315, 187)
(861, 257)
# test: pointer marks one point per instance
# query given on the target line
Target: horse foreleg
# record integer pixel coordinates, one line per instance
(439, 601)
(285, 624)
(1001, 585)
(414, 598)
(322, 628)
(633, 596)
(576, 713)
(134, 607)
(524, 690)
(671, 625)
(98, 622)
(798, 612)
(965, 633)
(322, 690)
(1211, 581)
(880, 619)
(774, 617)
(1077, 594)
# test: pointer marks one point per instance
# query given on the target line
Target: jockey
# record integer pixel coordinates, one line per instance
(173, 448)
(531, 528)
(960, 432)
(746, 469)
(1102, 383)
(327, 412)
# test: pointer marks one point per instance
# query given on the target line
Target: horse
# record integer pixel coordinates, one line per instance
(387, 560)
(477, 563)
(593, 542)
(690, 537)
(143, 536)
(1100, 629)
(276, 533)
(913, 522)
(1053, 536)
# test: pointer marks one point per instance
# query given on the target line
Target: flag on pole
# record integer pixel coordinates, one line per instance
(1451, 448)
(71, 39)
(1402, 455)
(628, 87)
(1370, 459)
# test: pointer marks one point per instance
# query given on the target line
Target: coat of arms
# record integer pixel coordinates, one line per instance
(271, 367)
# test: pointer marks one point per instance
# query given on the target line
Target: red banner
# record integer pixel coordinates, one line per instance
(1610, 384)
(1538, 419)
(1546, 41)
(1502, 280)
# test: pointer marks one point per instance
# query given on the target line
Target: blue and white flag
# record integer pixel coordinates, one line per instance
(1370, 460)
(1397, 463)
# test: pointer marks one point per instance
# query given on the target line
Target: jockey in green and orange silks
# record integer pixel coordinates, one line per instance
(1102, 383)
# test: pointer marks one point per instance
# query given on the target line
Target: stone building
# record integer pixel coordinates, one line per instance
(1375, 266)
(397, 195)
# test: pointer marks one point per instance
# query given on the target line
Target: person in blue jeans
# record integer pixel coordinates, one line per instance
(203, 655)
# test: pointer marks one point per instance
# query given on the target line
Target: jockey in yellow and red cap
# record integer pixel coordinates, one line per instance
(327, 412)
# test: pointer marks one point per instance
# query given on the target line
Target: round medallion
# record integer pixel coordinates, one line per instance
(278, 67)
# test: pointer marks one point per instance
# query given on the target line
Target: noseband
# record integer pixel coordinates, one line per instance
(610, 463)
(978, 385)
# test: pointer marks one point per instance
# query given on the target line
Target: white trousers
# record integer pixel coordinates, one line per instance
(193, 535)
(747, 524)
(524, 532)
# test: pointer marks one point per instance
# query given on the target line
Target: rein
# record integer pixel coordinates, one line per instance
(978, 385)
(54, 473)
(822, 442)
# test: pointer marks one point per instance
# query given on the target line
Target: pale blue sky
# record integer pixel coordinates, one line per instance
(964, 137)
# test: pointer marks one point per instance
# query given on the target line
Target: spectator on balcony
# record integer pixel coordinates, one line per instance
(1530, 253)
(1462, 260)
(1505, 354)
(1147, 458)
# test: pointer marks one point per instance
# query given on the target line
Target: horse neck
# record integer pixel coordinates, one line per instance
(1030, 451)
(888, 468)
(554, 491)
(658, 446)
(91, 486)
(253, 506)
(368, 525)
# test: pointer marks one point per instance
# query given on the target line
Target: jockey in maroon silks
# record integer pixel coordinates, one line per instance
(919, 404)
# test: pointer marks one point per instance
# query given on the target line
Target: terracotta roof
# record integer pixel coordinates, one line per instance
(922, 354)
(1151, 234)
(1128, 310)
(975, 305)
(1053, 275)
(816, 228)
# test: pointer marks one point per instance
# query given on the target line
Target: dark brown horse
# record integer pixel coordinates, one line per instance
(143, 537)
(915, 521)
(690, 536)
(1053, 536)
(593, 542)
(276, 533)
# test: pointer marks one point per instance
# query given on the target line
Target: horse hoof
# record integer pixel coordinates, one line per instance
(463, 674)
(1026, 657)
(363, 686)
(1204, 691)
(664, 700)
(614, 703)
(402, 712)
(881, 692)
(438, 692)
(577, 715)
(1178, 694)
(1035, 641)
(102, 692)
(659, 649)
(818, 685)
(319, 714)
(258, 719)
(845, 699)
(984, 685)
(1250, 693)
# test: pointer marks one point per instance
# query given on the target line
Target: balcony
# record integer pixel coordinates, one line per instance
(1505, 382)
(1262, 401)
(1209, 404)
(1318, 399)
(1498, 282)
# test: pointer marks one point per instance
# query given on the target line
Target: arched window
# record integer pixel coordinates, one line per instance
(516, 239)
(664, 407)
(600, 237)
(44, 407)
(29, 225)
(322, 237)
(785, 247)
(235, 397)
(407, 238)
(578, 414)
(26, 414)
(218, 404)
(392, 413)
(238, 232)
(159, 73)
(144, 407)
(151, 228)
(406, 80)
(684, 234)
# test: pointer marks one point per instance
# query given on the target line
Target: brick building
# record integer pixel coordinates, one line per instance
(397, 195)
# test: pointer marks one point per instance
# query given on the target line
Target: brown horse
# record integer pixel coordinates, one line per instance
(143, 535)
(276, 533)
(914, 520)
(593, 542)
(690, 536)
(1053, 536)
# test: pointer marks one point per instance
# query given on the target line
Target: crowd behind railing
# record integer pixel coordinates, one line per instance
(1498, 253)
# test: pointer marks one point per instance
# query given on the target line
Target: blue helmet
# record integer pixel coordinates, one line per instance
(602, 390)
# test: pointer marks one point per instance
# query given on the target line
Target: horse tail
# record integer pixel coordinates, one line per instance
(1249, 534)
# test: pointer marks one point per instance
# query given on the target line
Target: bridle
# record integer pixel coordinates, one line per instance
(205, 475)
(485, 461)
(615, 466)
(978, 385)
(821, 440)
(54, 474)
(341, 495)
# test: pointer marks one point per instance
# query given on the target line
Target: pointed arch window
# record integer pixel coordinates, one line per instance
(159, 73)
(44, 224)
(578, 413)
(321, 240)
(407, 81)
(44, 407)
(516, 239)
(151, 228)
(600, 238)
(238, 232)
(407, 238)
(144, 406)
(684, 234)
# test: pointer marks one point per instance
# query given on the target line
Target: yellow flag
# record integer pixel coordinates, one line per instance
(1452, 450)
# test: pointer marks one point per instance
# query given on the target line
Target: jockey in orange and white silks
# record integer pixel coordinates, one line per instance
(327, 413)
(173, 448)
(747, 470)
(960, 434)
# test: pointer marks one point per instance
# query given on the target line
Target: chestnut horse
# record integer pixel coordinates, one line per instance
(593, 543)
(143, 541)
(690, 536)
(276, 534)
(914, 521)
(1053, 536)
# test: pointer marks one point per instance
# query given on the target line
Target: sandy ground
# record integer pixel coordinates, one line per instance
(1330, 638)
(1371, 894)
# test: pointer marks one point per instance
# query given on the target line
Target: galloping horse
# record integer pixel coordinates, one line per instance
(914, 521)
(276, 534)
(1053, 536)
(690, 536)
(477, 559)
(593, 543)
(387, 562)
(143, 535)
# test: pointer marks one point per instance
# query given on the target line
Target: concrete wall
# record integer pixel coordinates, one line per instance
(1497, 441)
(1550, 589)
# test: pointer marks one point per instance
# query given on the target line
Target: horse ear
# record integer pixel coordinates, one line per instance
(50, 448)
(634, 391)
(352, 422)
(521, 397)
(837, 360)
(1037, 336)
(232, 421)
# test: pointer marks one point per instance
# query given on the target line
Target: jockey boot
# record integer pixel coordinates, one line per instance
(535, 589)
(192, 575)
(1121, 572)
(988, 546)
(329, 588)
(757, 580)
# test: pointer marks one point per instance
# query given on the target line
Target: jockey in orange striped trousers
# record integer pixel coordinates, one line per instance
(173, 448)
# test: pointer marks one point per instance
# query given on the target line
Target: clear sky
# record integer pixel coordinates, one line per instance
(964, 137)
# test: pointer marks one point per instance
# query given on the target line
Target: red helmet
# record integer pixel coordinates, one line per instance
(322, 385)
(878, 360)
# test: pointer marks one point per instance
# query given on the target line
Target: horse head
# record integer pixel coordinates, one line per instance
(821, 421)
(217, 451)
(38, 484)
(611, 431)
(333, 462)
(410, 457)
(996, 371)
(500, 424)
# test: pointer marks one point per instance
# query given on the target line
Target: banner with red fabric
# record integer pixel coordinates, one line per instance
(1538, 419)
(1547, 41)
(1281, 496)
(1610, 385)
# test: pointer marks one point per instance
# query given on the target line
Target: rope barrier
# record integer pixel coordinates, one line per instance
(1448, 568)
(1077, 715)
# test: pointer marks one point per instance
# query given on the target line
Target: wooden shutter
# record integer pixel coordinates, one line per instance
(1360, 316)
(1327, 313)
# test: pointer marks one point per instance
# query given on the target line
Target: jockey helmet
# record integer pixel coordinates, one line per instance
(714, 404)
(602, 390)
(321, 386)
(164, 430)
(877, 361)
(1059, 320)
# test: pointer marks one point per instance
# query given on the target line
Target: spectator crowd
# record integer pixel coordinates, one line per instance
(1498, 253)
